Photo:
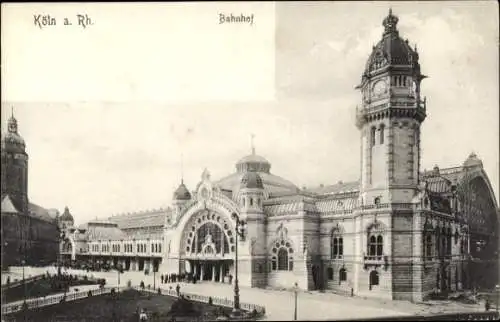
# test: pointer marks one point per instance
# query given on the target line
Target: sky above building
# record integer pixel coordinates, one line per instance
(108, 110)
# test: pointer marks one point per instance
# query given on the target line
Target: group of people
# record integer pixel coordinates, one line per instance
(183, 277)
(174, 278)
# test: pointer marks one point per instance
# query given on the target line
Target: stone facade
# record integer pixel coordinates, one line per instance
(397, 233)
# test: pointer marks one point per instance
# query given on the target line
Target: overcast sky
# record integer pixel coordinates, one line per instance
(107, 110)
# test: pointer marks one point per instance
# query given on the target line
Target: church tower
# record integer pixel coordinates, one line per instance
(14, 167)
(389, 119)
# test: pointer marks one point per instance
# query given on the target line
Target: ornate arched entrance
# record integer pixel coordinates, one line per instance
(208, 245)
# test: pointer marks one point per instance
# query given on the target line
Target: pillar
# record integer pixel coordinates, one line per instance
(221, 277)
(214, 265)
(201, 272)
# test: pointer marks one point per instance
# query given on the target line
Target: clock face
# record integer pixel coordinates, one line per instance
(379, 87)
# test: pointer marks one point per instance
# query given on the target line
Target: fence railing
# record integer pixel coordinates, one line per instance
(206, 299)
(22, 281)
(53, 299)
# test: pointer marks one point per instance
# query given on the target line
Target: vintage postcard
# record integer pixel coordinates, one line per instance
(201, 161)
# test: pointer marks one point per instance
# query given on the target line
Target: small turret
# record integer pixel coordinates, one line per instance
(66, 220)
(251, 192)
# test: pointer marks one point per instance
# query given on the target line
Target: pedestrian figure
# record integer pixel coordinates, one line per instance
(178, 289)
(161, 278)
(143, 316)
(230, 278)
(8, 280)
(487, 305)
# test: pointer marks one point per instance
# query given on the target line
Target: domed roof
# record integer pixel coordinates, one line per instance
(251, 180)
(253, 158)
(182, 192)
(391, 49)
(253, 162)
(12, 141)
(66, 216)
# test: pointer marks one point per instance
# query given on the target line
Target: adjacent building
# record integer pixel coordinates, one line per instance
(396, 233)
(29, 232)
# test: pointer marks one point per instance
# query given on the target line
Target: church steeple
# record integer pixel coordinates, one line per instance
(12, 124)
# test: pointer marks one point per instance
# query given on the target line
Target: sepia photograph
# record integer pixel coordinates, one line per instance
(275, 161)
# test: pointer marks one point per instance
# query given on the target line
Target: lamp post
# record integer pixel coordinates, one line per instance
(24, 282)
(240, 232)
(497, 289)
(119, 270)
(296, 291)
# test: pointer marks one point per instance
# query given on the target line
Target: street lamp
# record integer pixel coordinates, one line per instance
(240, 231)
(119, 270)
(497, 288)
(24, 282)
(296, 291)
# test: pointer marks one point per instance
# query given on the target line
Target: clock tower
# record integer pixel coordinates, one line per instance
(389, 120)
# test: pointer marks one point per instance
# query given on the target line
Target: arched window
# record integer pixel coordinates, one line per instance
(251, 201)
(342, 275)
(374, 279)
(376, 246)
(382, 128)
(380, 245)
(337, 247)
(243, 201)
(282, 260)
(330, 273)
(372, 136)
(282, 256)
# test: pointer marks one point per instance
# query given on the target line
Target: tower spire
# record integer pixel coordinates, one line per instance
(252, 143)
(182, 168)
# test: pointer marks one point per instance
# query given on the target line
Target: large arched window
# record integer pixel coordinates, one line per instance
(282, 256)
(209, 229)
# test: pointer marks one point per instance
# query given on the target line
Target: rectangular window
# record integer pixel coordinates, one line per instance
(372, 136)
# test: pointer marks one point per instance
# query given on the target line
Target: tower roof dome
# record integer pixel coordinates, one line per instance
(12, 141)
(66, 216)
(251, 180)
(182, 192)
(391, 49)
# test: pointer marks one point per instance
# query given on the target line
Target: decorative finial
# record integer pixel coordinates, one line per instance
(253, 147)
(12, 111)
(390, 23)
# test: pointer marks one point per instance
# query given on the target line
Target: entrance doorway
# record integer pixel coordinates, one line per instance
(210, 270)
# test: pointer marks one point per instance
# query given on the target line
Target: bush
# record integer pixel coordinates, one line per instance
(89, 294)
(210, 301)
